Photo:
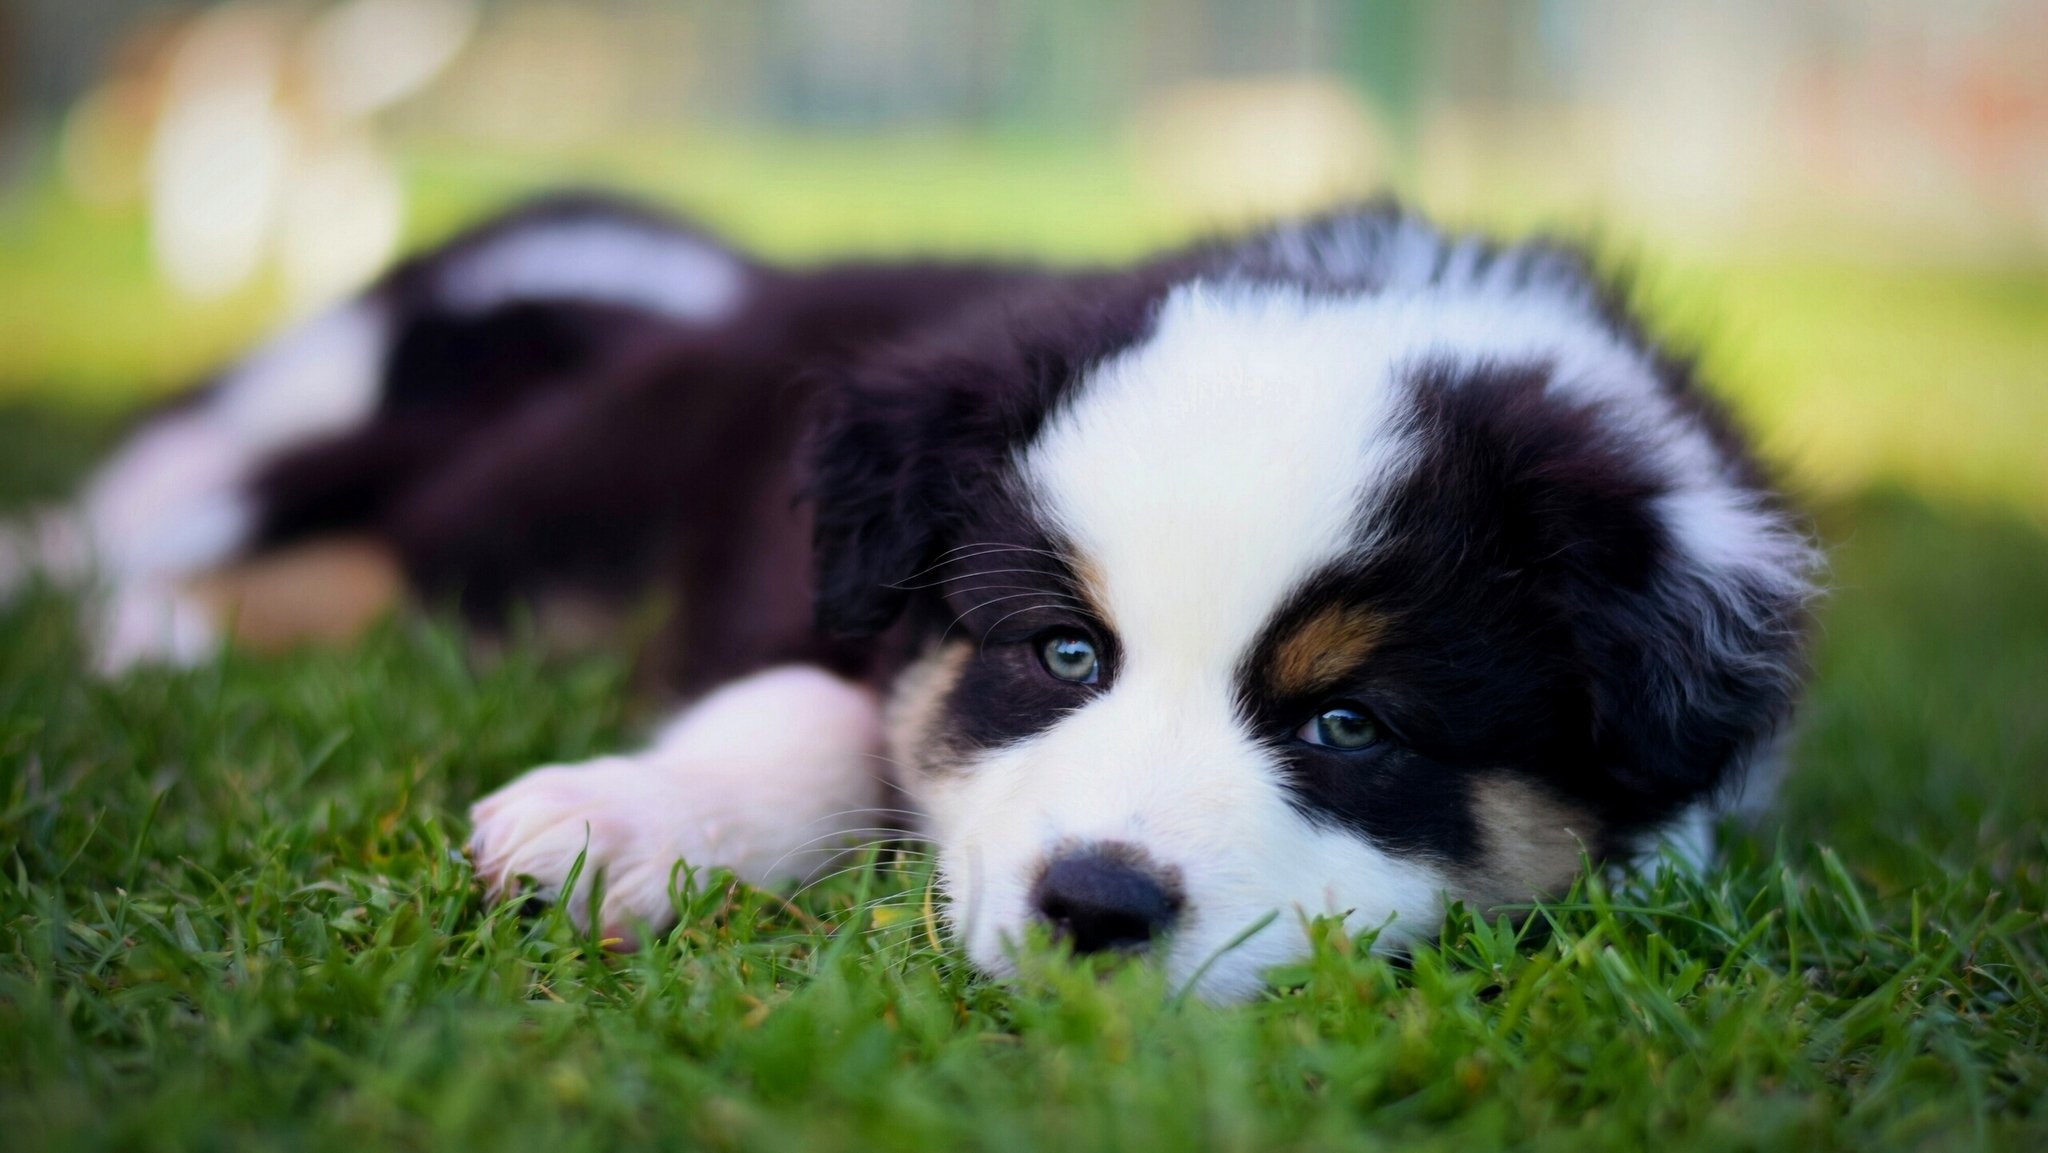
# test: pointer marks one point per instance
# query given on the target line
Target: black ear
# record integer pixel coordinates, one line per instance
(1687, 606)
(914, 451)
(878, 502)
(1682, 598)
(1693, 672)
(911, 451)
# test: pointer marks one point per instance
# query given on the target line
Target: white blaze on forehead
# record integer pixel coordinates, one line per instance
(1206, 472)
(1201, 476)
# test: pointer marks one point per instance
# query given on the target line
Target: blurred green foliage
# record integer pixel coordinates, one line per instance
(1934, 376)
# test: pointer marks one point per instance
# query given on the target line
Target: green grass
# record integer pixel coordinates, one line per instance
(233, 913)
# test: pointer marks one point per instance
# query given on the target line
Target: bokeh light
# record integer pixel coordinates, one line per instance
(1846, 205)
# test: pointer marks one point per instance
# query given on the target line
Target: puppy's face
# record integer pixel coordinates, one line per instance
(1325, 604)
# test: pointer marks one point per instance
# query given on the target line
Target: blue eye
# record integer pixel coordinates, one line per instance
(1342, 728)
(1070, 657)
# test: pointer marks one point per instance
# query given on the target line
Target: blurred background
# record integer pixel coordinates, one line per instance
(1843, 202)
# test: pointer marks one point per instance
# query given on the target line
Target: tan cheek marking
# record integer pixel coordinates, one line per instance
(324, 590)
(1326, 647)
(1533, 841)
(912, 721)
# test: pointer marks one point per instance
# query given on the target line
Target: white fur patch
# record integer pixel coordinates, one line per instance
(607, 261)
(771, 776)
(1431, 297)
(1160, 763)
(50, 543)
(1687, 838)
(149, 622)
(1201, 476)
(137, 505)
(1208, 471)
(321, 377)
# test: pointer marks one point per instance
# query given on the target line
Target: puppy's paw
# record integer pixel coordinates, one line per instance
(612, 812)
(771, 776)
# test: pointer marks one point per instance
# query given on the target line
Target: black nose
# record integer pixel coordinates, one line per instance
(1106, 896)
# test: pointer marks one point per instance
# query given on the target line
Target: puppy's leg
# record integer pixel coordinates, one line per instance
(329, 425)
(768, 776)
(176, 501)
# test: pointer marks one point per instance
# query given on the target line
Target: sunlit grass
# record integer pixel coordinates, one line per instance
(232, 913)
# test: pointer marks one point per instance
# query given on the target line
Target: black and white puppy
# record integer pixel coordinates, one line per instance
(1347, 568)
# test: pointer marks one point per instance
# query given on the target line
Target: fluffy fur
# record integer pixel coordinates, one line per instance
(1444, 488)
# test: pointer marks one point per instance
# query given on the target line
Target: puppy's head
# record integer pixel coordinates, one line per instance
(1348, 571)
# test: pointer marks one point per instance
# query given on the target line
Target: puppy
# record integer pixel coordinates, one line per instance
(1350, 567)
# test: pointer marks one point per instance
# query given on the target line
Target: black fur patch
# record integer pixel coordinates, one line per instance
(923, 520)
(914, 455)
(828, 475)
(1533, 608)
(1005, 600)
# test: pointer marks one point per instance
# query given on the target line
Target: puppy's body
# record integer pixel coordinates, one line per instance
(1349, 568)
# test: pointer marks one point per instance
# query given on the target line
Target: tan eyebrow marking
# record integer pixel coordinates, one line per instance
(1088, 583)
(1322, 649)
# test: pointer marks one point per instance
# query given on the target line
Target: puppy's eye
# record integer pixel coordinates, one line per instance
(1343, 728)
(1070, 657)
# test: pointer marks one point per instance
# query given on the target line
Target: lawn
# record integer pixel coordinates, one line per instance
(233, 912)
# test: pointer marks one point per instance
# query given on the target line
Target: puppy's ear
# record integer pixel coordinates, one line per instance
(1692, 671)
(876, 502)
(1682, 588)
(914, 448)
(1685, 592)
(904, 453)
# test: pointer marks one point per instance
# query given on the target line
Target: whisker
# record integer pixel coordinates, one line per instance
(994, 587)
(909, 944)
(985, 549)
(999, 546)
(1014, 596)
(884, 810)
(998, 600)
(980, 572)
(896, 870)
(894, 901)
(885, 867)
(884, 836)
(859, 810)
(916, 898)
(862, 810)
(1028, 590)
(998, 622)
(880, 835)
(856, 867)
